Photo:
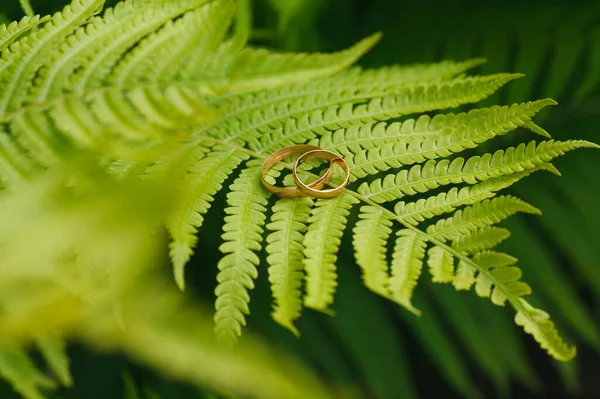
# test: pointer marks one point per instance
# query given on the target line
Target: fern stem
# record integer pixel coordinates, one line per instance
(448, 248)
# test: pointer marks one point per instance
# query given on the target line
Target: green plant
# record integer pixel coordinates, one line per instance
(162, 92)
(556, 46)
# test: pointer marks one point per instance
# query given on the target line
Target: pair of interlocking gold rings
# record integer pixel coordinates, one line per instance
(314, 189)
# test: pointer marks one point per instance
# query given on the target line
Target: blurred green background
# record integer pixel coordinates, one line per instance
(461, 346)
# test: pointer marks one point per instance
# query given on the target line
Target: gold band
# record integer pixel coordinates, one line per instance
(291, 192)
(314, 192)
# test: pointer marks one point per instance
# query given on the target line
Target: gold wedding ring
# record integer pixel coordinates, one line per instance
(316, 192)
(314, 189)
(291, 192)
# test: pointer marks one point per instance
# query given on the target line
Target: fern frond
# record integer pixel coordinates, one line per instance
(237, 269)
(17, 168)
(26, 6)
(432, 174)
(199, 60)
(11, 32)
(480, 240)
(427, 137)
(417, 72)
(286, 268)
(407, 263)
(479, 215)
(370, 237)
(150, 75)
(537, 323)
(274, 69)
(100, 63)
(74, 52)
(192, 201)
(38, 145)
(420, 97)
(179, 49)
(19, 65)
(351, 85)
(501, 270)
(422, 209)
(321, 244)
(17, 368)
(495, 276)
(270, 109)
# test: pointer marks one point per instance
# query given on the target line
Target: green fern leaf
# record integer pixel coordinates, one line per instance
(11, 32)
(407, 263)
(480, 240)
(19, 65)
(418, 72)
(429, 138)
(34, 140)
(197, 192)
(464, 277)
(421, 97)
(26, 6)
(272, 69)
(99, 65)
(537, 323)
(441, 265)
(266, 110)
(180, 49)
(480, 215)
(16, 168)
(54, 352)
(80, 48)
(432, 174)
(285, 249)
(500, 267)
(242, 235)
(19, 370)
(422, 209)
(274, 108)
(158, 92)
(321, 243)
(370, 237)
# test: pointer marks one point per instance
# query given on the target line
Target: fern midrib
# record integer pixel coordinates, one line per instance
(500, 286)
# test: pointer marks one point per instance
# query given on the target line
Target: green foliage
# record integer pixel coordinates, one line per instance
(165, 94)
(556, 46)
